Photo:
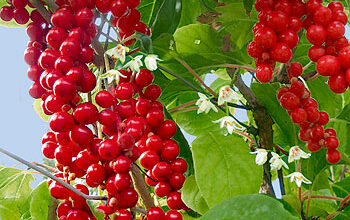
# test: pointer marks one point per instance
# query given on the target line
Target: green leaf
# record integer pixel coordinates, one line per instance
(9, 209)
(301, 53)
(235, 21)
(40, 201)
(266, 94)
(342, 188)
(248, 5)
(257, 207)
(14, 183)
(191, 9)
(343, 215)
(39, 111)
(192, 197)
(166, 18)
(224, 167)
(345, 114)
(328, 101)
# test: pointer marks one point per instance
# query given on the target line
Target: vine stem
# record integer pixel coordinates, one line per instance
(195, 75)
(280, 149)
(323, 197)
(183, 106)
(187, 109)
(342, 203)
(44, 172)
(233, 66)
(45, 166)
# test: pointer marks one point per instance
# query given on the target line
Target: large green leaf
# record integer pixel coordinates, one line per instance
(14, 183)
(40, 200)
(266, 94)
(328, 101)
(224, 168)
(10, 209)
(192, 197)
(342, 188)
(257, 207)
(343, 215)
(314, 169)
(191, 9)
(235, 21)
(319, 207)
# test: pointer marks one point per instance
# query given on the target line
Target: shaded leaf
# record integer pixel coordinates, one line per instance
(40, 200)
(39, 111)
(224, 167)
(192, 197)
(249, 207)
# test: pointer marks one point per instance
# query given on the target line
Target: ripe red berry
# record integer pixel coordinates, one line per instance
(173, 215)
(174, 201)
(96, 173)
(265, 38)
(122, 165)
(316, 52)
(278, 20)
(152, 92)
(63, 155)
(298, 115)
(81, 135)
(322, 16)
(48, 149)
(104, 99)
(162, 171)
(333, 156)
(313, 146)
(264, 73)
(148, 159)
(6, 13)
(177, 180)
(128, 198)
(85, 113)
(338, 83)
(316, 34)
(21, 15)
(289, 101)
(335, 29)
(295, 69)
(108, 149)
(61, 122)
(331, 142)
(155, 118)
(179, 165)
(162, 189)
(344, 57)
(289, 37)
(124, 91)
(170, 150)
(144, 78)
(328, 65)
(84, 17)
(63, 18)
(312, 114)
(149, 181)
(155, 213)
(122, 181)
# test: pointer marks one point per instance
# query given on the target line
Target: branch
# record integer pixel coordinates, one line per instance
(195, 75)
(141, 187)
(45, 166)
(44, 172)
(263, 121)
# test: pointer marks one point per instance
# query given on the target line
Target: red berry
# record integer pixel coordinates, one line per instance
(85, 113)
(265, 38)
(63, 18)
(124, 91)
(153, 92)
(313, 146)
(162, 171)
(335, 29)
(173, 215)
(61, 122)
(148, 159)
(155, 213)
(289, 101)
(63, 155)
(278, 20)
(122, 165)
(155, 118)
(6, 13)
(264, 73)
(295, 69)
(162, 189)
(316, 34)
(179, 165)
(338, 83)
(84, 17)
(322, 16)
(316, 52)
(122, 181)
(174, 201)
(177, 180)
(344, 57)
(109, 149)
(149, 181)
(289, 37)
(333, 156)
(167, 129)
(104, 99)
(170, 150)
(312, 114)
(96, 173)
(144, 78)
(298, 115)
(328, 65)
(81, 135)
(21, 15)
(331, 142)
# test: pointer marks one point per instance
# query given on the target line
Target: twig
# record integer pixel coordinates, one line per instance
(195, 75)
(141, 187)
(142, 171)
(139, 210)
(280, 149)
(183, 106)
(343, 202)
(342, 175)
(250, 69)
(44, 172)
(331, 215)
(323, 197)
(45, 166)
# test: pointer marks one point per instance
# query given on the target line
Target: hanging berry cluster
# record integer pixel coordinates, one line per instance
(132, 121)
(304, 112)
(275, 35)
(325, 30)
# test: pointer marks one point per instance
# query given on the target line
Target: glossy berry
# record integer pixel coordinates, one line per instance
(148, 159)
(155, 213)
(265, 38)
(122, 165)
(328, 65)
(144, 78)
(124, 91)
(162, 189)
(170, 150)
(174, 201)
(289, 101)
(152, 92)
(173, 215)
(179, 166)
(162, 171)
(338, 83)
(333, 156)
(104, 99)
(316, 34)
(264, 73)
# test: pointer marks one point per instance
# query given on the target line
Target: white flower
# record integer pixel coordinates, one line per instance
(151, 62)
(118, 52)
(226, 94)
(295, 153)
(261, 156)
(229, 123)
(135, 64)
(298, 178)
(112, 75)
(204, 104)
(276, 162)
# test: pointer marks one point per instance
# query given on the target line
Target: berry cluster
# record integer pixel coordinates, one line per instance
(17, 11)
(132, 120)
(125, 16)
(304, 112)
(275, 35)
(325, 30)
